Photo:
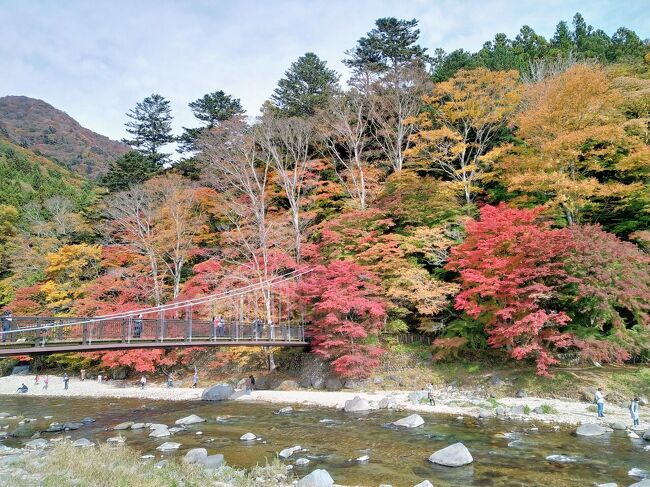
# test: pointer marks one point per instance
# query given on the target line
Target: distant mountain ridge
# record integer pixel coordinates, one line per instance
(48, 131)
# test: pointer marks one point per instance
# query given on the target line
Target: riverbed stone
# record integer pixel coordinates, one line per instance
(643, 483)
(123, 426)
(169, 446)
(137, 426)
(618, 425)
(301, 462)
(318, 478)
(518, 410)
(54, 428)
(417, 397)
(591, 429)
(82, 443)
(521, 394)
(500, 411)
(424, 483)
(643, 401)
(333, 384)
(116, 440)
(87, 420)
(23, 431)
(191, 419)
(287, 452)
(4, 415)
(412, 421)
(286, 410)
(610, 484)
(288, 385)
(646, 435)
(37, 444)
(248, 437)
(72, 426)
(356, 405)
(484, 414)
(455, 455)
(213, 461)
(160, 432)
(538, 410)
(219, 392)
(195, 455)
(161, 464)
(388, 402)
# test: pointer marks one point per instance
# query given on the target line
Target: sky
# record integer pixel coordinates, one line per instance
(94, 59)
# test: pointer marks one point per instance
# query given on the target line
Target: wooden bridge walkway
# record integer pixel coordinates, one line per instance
(41, 335)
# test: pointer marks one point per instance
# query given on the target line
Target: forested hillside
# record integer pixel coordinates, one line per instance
(497, 201)
(38, 126)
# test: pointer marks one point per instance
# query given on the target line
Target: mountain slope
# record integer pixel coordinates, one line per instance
(45, 130)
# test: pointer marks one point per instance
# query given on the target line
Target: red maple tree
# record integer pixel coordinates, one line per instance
(511, 268)
(344, 314)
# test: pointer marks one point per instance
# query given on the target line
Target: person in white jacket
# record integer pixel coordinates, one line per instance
(634, 411)
(599, 399)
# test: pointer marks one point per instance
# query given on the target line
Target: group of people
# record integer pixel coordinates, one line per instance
(599, 399)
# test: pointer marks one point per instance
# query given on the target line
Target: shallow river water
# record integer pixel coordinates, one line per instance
(505, 453)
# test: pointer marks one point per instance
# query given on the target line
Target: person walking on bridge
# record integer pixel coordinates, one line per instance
(6, 324)
(137, 327)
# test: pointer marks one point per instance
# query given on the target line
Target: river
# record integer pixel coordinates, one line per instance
(505, 453)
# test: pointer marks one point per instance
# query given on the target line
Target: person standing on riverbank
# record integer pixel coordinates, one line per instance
(66, 379)
(195, 378)
(634, 411)
(36, 379)
(599, 399)
(46, 382)
(143, 382)
(83, 374)
(432, 401)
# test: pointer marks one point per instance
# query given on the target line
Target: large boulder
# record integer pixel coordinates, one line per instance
(248, 437)
(455, 455)
(23, 431)
(587, 393)
(412, 421)
(220, 392)
(333, 384)
(592, 429)
(618, 425)
(195, 455)
(318, 478)
(356, 405)
(191, 419)
(646, 435)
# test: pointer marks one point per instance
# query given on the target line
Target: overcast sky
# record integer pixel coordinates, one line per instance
(95, 59)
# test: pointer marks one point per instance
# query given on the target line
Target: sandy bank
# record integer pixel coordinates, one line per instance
(456, 403)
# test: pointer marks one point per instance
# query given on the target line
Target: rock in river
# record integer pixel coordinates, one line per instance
(160, 432)
(169, 446)
(83, 443)
(220, 392)
(301, 462)
(287, 452)
(23, 431)
(37, 444)
(123, 426)
(424, 483)
(643, 483)
(591, 429)
(195, 455)
(286, 410)
(388, 402)
(618, 425)
(356, 405)
(646, 435)
(191, 419)
(248, 437)
(318, 478)
(455, 455)
(412, 421)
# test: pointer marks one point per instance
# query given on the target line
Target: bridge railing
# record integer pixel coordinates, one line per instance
(41, 331)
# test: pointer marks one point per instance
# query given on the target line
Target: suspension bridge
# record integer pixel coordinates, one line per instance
(170, 325)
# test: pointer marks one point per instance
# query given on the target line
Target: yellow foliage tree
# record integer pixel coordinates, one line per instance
(68, 269)
(573, 129)
(457, 132)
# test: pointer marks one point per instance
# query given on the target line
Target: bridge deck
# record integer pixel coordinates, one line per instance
(38, 335)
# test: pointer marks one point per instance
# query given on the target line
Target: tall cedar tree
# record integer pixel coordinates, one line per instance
(511, 268)
(306, 87)
(150, 126)
(344, 314)
(391, 44)
(211, 109)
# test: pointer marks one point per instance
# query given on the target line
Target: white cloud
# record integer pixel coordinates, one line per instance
(95, 60)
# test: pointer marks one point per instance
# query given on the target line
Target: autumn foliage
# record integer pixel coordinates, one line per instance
(510, 271)
(345, 316)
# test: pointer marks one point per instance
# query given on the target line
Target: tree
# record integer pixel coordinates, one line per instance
(344, 315)
(511, 270)
(211, 109)
(345, 126)
(131, 168)
(390, 45)
(306, 87)
(288, 143)
(458, 133)
(150, 126)
(575, 142)
(67, 271)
